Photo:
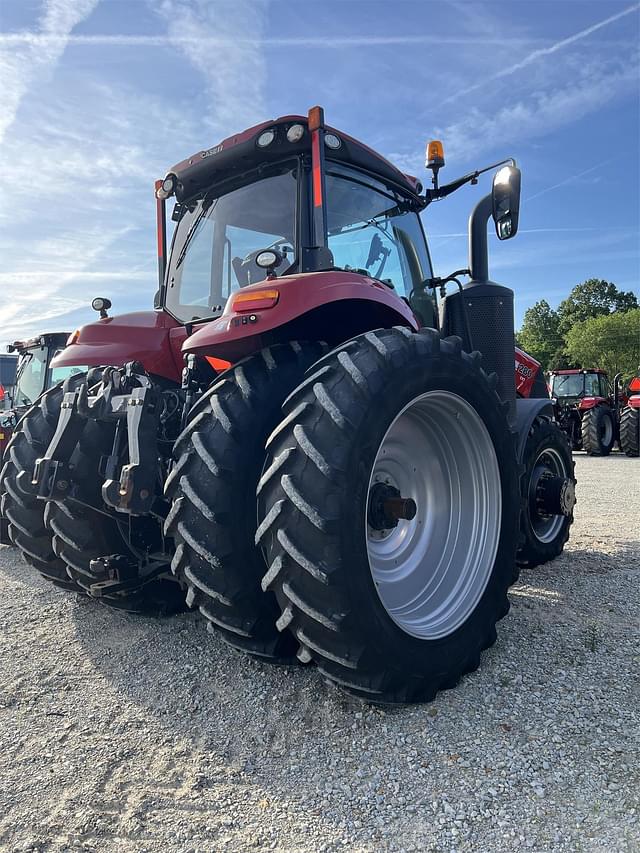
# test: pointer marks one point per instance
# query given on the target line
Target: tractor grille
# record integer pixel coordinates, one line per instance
(491, 322)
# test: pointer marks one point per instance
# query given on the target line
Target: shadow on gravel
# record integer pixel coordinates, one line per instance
(211, 720)
(204, 689)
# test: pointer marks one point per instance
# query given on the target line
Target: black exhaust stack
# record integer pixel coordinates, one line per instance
(489, 310)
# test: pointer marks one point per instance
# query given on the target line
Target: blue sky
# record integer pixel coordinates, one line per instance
(99, 97)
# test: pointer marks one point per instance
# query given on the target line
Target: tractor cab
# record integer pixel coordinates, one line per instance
(34, 372)
(268, 204)
(569, 387)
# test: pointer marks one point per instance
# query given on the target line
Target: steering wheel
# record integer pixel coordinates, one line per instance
(243, 267)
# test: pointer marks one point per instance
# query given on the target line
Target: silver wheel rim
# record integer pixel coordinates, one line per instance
(431, 571)
(546, 527)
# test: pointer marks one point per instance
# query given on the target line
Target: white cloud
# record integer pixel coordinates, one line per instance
(21, 64)
(79, 165)
(235, 72)
(544, 52)
(541, 112)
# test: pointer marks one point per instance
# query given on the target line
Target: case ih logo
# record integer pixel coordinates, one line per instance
(211, 151)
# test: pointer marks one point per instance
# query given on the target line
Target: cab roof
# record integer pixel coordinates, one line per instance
(240, 153)
(568, 372)
(46, 339)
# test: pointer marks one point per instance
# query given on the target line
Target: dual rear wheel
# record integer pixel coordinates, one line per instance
(387, 511)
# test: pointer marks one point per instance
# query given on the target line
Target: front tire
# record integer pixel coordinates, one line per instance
(547, 453)
(630, 431)
(391, 421)
(24, 512)
(598, 434)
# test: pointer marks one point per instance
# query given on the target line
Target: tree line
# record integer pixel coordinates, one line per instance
(597, 325)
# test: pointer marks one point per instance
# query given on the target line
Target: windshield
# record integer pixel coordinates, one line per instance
(218, 239)
(568, 385)
(59, 374)
(32, 371)
(372, 230)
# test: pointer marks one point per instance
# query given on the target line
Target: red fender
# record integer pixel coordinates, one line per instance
(151, 337)
(591, 402)
(331, 306)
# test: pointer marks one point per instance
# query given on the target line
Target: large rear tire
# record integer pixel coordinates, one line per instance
(630, 431)
(547, 453)
(212, 487)
(402, 423)
(598, 434)
(23, 511)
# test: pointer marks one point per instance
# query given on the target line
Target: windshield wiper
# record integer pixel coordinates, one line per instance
(187, 241)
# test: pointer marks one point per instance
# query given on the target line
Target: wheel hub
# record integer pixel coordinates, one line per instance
(554, 495)
(387, 507)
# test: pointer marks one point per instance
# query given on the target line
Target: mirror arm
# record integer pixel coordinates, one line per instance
(471, 178)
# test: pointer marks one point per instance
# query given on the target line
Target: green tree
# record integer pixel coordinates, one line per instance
(611, 342)
(593, 298)
(539, 334)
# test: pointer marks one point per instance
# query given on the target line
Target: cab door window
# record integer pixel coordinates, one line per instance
(372, 230)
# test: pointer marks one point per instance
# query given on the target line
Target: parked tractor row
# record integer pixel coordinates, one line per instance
(594, 413)
(299, 440)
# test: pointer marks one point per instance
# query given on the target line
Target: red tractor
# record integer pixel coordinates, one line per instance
(331, 464)
(588, 408)
(630, 419)
(33, 375)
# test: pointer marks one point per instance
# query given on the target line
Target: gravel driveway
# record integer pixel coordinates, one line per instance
(120, 733)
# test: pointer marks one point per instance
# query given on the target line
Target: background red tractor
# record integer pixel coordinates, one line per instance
(333, 465)
(33, 375)
(588, 407)
(630, 419)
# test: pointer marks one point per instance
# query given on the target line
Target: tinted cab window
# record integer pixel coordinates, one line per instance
(371, 230)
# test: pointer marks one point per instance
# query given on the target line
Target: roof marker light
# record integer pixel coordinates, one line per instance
(295, 133)
(167, 187)
(266, 138)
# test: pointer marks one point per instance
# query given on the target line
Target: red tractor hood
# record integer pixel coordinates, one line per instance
(329, 306)
(151, 337)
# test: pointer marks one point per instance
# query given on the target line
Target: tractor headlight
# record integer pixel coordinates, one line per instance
(332, 141)
(295, 133)
(266, 138)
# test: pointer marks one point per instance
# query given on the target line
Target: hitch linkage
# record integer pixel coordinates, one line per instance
(52, 476)
(118, 573)
(123, 393)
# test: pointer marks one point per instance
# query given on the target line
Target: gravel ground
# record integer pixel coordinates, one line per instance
(120, 733)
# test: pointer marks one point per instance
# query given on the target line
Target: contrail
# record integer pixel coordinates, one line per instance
(140, 40)
(544, 51)
(570, 179)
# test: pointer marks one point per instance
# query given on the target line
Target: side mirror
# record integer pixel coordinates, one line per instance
(157, 299)
(506, 201)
